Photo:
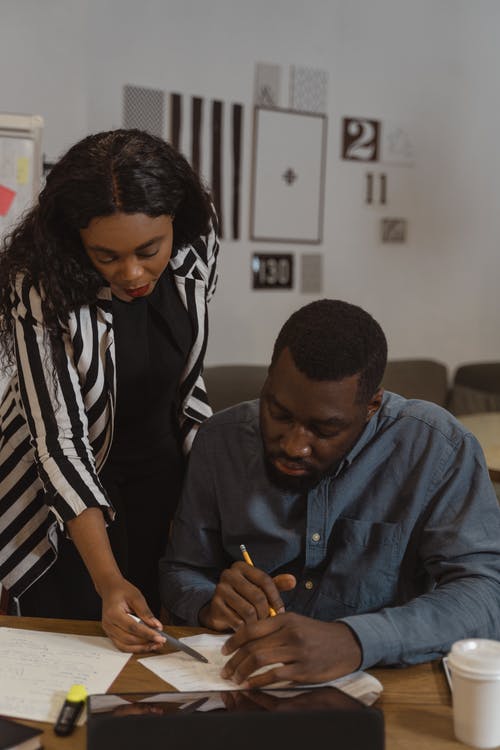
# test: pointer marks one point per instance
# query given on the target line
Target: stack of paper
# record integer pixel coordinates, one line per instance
(38, 669)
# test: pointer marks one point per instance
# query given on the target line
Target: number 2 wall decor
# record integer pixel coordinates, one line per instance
(360, 139)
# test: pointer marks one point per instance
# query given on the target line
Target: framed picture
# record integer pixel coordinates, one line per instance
(394, 230)
(288, 175)
(360, 139)
(272, 271)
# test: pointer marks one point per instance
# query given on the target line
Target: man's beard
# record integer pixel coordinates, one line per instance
(294, 484)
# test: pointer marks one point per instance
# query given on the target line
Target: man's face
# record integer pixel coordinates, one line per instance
(308, 426)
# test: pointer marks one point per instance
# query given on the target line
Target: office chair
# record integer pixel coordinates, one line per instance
(476, 388)
(229, 384)
(417, 378)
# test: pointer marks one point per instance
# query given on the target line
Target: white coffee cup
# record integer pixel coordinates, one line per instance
(475, 677)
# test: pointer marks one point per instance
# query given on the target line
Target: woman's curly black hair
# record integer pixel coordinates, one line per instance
(127, 171)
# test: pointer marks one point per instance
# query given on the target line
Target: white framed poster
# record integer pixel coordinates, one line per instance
(288, 175)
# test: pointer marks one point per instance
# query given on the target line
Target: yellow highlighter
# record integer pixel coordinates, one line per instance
(71, 710)
(248, 560)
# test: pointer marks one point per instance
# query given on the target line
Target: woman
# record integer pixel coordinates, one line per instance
(103, 293)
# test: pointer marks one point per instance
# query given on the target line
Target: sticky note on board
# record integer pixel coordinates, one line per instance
(6, 198)
(23, 170)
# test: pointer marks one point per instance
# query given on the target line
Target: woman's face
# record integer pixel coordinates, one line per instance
(130, 251)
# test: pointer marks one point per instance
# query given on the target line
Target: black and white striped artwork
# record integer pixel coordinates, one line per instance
(208, 132)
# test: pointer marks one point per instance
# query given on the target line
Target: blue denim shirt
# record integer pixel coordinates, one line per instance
(402, 543)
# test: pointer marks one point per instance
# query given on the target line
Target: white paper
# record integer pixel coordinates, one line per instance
(37, 669)
(187, 674)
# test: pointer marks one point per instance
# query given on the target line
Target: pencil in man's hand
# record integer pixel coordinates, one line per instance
(248, 560)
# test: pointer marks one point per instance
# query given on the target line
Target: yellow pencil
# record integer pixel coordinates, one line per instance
(248, 560)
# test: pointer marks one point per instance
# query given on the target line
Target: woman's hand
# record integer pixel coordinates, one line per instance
(119, 596)
(119, 599)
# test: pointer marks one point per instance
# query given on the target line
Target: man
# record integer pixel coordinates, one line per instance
(370, 519)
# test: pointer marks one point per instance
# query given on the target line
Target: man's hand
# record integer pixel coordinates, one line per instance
(244, 595)
(119, 598)
(303, 650)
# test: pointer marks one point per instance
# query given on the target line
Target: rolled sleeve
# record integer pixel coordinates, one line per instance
(459, 546)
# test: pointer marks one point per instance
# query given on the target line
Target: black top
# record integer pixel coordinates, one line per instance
(153, 337)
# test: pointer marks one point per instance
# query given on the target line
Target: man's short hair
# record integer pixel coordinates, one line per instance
(331, 340)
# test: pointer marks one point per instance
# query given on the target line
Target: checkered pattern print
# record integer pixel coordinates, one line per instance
(143, 108)
(308, 89)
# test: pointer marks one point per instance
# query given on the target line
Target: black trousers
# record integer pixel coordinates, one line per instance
(145, 501)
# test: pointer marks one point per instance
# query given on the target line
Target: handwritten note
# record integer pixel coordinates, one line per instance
(185, 673)
(37, 669)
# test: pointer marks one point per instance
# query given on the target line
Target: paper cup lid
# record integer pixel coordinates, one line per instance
(476, 655)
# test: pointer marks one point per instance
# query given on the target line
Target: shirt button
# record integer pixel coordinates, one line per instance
(309, 584)
(316, 537)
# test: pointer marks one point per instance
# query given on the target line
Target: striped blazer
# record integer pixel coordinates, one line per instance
(56, 416)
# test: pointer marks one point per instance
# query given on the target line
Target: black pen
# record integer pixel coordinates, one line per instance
(71, 710)
(173, 641)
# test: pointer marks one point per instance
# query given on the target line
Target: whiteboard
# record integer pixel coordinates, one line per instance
(20, 166)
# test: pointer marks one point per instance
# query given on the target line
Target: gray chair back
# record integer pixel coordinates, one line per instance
(418, 378)
(412, 378)
(476, 388)
(230, 384)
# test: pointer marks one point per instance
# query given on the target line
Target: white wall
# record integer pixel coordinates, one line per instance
(43, 66)
(430, 65)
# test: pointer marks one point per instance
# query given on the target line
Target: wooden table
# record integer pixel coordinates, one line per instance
(415, 701)
(486, 427)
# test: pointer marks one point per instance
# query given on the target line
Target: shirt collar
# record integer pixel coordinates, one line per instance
(369, 431)
(104, 293)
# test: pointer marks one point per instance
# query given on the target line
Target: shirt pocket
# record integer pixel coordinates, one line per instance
(362, 574)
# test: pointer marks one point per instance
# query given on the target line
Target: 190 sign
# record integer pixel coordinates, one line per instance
(272, 271)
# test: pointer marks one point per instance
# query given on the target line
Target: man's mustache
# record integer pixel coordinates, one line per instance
(292, 462)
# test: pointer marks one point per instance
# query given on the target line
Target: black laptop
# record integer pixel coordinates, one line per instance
(291, 718)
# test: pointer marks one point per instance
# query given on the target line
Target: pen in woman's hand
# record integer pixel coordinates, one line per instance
(179, 645)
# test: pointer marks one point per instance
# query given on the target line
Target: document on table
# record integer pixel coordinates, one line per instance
(37, 669)
(185, 673)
